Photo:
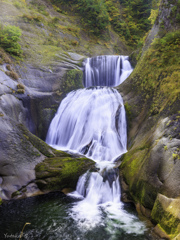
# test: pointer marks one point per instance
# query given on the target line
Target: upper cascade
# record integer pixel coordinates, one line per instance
(106, 70)
(92, 121)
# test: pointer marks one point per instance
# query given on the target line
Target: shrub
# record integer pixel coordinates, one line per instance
(20, 88)
(32, 18)
(12, 74)
(5, 58)
(9, 37)
(74, 43)
(8, 67)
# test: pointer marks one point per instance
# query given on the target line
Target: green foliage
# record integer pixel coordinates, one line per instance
(135, 14)
(130, 19)
(9, 37)
(175, 156)
(94, 13)
(157, 73)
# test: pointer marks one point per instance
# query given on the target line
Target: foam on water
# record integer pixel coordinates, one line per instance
(92, 122)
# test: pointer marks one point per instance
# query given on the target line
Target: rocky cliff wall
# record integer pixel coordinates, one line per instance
(150, 170)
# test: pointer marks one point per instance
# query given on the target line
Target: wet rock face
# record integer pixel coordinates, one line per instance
(45, 87)
(18, 158)
(28, 104)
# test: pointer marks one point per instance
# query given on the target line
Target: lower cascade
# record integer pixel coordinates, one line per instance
(92, 122)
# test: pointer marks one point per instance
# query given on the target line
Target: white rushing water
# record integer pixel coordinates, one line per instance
(106, 71)
(92, 121)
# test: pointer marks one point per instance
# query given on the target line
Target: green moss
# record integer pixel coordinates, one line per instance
(14, 194)
(175, 156)
(61, 172)
(59, 153)
(157, 73)
(1, 201)
(133, 168)
(144, 193)
(73, 80)
(134, 173)
(128, 111)
(165, 219)
(165, 148)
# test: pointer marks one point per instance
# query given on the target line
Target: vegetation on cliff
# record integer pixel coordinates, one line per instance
(151, 165)
(157, 73)
(130, 19)
(49, 31)
(9, 37)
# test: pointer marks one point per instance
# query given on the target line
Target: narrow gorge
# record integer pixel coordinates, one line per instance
(79, 129)
(92, 122)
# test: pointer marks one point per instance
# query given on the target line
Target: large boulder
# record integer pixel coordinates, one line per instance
(167, 216)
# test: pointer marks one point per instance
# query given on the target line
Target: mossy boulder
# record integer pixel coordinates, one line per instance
(166, 213)
(61, 172)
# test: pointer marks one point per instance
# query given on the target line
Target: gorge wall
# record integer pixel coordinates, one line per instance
(150, 169)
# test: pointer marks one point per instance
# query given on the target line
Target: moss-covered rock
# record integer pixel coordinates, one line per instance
(72, 80)
(166, 213)
(61, 172)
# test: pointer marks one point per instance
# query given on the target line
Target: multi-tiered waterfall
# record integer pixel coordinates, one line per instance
(92, 121)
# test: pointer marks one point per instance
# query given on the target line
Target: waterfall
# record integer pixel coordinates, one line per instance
(106, 71)
(92, 121)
